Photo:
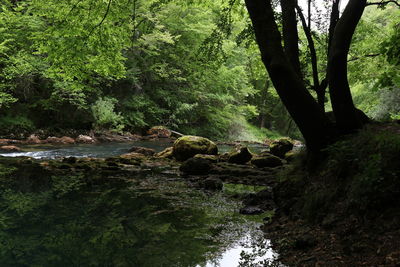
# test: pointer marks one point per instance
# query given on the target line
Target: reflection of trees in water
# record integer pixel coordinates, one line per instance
(73, 220)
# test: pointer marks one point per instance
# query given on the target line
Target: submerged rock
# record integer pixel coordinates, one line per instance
(241, 156)
(187, 146)
(196, 166)
(266, 160)
(280, 147)
(142, 150)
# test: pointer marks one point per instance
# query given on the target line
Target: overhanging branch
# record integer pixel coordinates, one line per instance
(383, 3)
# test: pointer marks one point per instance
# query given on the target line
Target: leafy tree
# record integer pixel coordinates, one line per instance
(283, 67)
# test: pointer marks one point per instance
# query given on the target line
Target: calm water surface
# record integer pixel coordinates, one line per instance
(146, 220)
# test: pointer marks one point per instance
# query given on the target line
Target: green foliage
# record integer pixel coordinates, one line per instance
(15, 124)
(105, 116)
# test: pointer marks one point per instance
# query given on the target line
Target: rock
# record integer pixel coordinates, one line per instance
(187, 146)
(166, 153)
(159, 131)
(280, 147)
(132, 155)
(251, 210)
(85, 139)
(213, 184)
(142, 150)
(266, 160)
(65, 140)
(33, 139)
(211, 158)
(10, 148)
(9, 141)
(70, 160)
(259, 197)
(241, 156)
(291, 156)
(196, 166)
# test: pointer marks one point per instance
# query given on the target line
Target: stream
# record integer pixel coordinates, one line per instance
(102, 150)
(145, 220)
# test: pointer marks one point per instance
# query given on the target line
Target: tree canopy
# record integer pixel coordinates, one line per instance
(190, 65)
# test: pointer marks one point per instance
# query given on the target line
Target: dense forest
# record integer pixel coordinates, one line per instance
(191, 66)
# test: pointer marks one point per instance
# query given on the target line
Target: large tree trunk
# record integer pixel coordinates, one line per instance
(304, 110)
(290, 33)
(339, 89)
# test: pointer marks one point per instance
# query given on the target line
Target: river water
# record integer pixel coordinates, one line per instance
(101, 150)
(146, 220)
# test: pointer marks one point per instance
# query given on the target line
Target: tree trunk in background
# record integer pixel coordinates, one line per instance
(304, 110)
(339, 89)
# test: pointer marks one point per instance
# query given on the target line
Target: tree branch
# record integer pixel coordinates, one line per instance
(357, 58)
(103, 19)
(383, 3)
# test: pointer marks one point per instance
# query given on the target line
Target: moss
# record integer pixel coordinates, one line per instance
(187, 146)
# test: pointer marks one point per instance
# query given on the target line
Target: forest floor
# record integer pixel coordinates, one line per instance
(345, 212)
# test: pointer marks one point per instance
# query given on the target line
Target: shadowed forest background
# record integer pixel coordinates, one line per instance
(192, 66)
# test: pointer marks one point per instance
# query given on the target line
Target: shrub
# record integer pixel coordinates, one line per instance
(105, 116)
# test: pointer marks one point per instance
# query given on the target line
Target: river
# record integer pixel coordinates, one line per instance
(145, 220)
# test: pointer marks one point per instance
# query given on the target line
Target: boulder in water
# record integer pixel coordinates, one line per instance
(280, 147)
(142, 150)
(187, 146)
(242, 155)
(166, 153)
(196, 166)
(266, 160)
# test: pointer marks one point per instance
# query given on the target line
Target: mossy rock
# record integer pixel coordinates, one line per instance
(142, 150)
(291, 156)
(211, 158)
(280, 147)
(166, 153)
(241, 155)
(188, 146)
(266, 160)
(196, 166)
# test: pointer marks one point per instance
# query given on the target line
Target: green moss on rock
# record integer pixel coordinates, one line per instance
(186, 147)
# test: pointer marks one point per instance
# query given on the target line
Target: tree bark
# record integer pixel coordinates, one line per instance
(290, 33)
(339, 89)
(304, 110)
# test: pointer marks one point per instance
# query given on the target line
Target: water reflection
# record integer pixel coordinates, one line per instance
(79, 220)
